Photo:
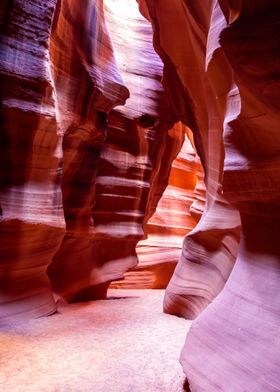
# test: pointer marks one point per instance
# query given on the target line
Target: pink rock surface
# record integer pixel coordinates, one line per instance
(56, 86)
(233, 47)
(176, 214)
(31, 220)
(88, 85)
(71, 162)
(133, 168)
(123, 177)
(234, 344)
(73, 158)
(209, 251)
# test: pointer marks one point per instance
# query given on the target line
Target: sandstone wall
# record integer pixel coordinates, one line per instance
(177, 212)
(130, 173)
(209, 251)
(81, 174)
(32, 222)
(224, 58)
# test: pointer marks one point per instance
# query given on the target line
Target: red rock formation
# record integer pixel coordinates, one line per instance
(49, 95)
(176, 214)
(32, 223)
(209, 251)
(57, 93)
(88, 85)
(234, 344)
(131, 171)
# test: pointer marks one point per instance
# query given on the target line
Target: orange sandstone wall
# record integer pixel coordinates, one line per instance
(31, 215)
(128, 170)
(178, 211)
(222, 64)
(209, 251)
(81, 174)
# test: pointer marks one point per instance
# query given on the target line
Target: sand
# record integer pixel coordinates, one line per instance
(122, 344)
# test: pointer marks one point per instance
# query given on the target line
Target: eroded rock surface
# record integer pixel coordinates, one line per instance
(131, 171)
(82, 173)
(177, 212)
(209, 251)
(88, 85)
(32, 222)
(231, 51)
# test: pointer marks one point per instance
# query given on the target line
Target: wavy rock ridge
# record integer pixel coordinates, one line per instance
(81, 174)
(32, 222)
(178, 211)
(223, 57)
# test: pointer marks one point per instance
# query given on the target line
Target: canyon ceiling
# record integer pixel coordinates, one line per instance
(147, 134)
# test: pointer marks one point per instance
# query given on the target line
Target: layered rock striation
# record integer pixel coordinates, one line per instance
(209, 251)
(81, 174)
(32, 222)
(231, 51)
(88, 85)
(177, 212)
(58, 80)
(131, 169)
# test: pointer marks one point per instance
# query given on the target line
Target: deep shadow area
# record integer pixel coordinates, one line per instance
(186, 385)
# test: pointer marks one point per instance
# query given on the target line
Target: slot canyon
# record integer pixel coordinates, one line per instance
(139, 195)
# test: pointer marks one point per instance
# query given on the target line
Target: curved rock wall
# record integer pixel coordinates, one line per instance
(130, 173)
(88, 85)
(32, 222)
(209, 251)
(245, 316)
(233, 48)
(177, 213)
(73, 157)
(56, 87)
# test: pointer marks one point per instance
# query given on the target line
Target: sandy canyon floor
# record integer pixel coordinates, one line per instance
(122, 344)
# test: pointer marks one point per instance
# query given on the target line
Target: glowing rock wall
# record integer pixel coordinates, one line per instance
(32, 221)
(223, 57)
(209, 251)
(178, 211)
(130, 173)
(81, 174)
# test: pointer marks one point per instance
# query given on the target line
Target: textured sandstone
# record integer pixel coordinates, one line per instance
(124, 181)
(71, 155)
(69, 159)
(56, 89)
(233, 47)
(210, 249)
(176, 214)
(88, 85)
(31, 221)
